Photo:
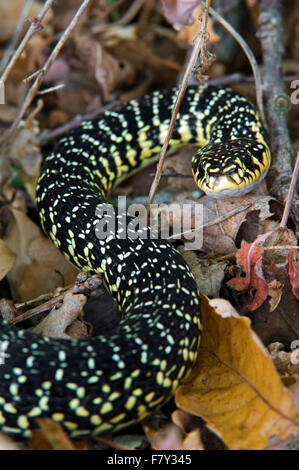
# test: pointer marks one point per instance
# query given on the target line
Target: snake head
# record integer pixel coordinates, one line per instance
(231, 168)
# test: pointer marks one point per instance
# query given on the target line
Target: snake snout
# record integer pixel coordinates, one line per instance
(231, 168)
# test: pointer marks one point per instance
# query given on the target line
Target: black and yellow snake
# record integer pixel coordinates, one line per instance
(108, 382)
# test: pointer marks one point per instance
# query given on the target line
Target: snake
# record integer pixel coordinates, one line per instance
(104, 383)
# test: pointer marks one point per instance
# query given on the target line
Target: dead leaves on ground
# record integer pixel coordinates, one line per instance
(50, 436)
(10, 13)
(234, 385)
(32, 264)
(269, 291)
(250, 258)
(185, 17)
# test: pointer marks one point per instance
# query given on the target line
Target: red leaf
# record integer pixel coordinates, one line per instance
(250, 259)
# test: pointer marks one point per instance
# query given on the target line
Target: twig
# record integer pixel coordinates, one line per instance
(290, 195)
(86, 286)
(199, 43)
(144, 15)
(42, 72)
(240, 78)
(280, 247)
(51, 89)
(128, 16)
(131, 12)
(31, 30)
(174, 174)
(213, 222)
(277, 104)
(43, 298)
(35, 111)
(252, 61)
(49, 135)
(112, 7)
(9, 50)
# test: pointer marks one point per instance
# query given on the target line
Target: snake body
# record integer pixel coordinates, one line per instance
(108, 382)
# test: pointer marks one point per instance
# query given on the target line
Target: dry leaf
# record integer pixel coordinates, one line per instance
(59, 319)
(25, 152)
(7, 259)
(208, 276)
(275, 293)
(228, 231)
(9, 16)
(234, 385)
(6, 443)
(266, 273)
(295, 387)
(169, 437)
(54, 434)
(197, 435)
(39, 267)
(193, 441)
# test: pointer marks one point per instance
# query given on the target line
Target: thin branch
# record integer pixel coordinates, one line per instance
(42, 72)
(199, 43)
(290, 195)
(31, 31)
(252, 61)
(240, 78)
(51, 89)
(48, 135)
(281, 247)
(128, 16)
(212, 222)
(174, 174)
(86, 286)
(9, 50)
(277, 101)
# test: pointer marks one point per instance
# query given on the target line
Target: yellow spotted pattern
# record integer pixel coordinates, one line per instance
(105, 383)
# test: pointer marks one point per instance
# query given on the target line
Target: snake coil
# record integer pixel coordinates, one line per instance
(105, 383)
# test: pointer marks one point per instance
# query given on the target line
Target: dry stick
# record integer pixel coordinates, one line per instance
(218, 220)
(51, 89)
(196, 49)
(290, 195)
(277, 103)
(240, 78)
(131, 13)
(251, 58)
(113, 7)
(144, 15)
(48, 135)
(78, 288)
(128, 16)
(31, 30)
(42, 72)
(9, 50)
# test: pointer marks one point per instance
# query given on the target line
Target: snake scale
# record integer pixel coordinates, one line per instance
(105, 383)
